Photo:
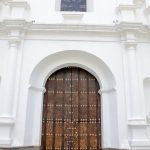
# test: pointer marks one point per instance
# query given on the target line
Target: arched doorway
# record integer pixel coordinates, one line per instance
(71, 111)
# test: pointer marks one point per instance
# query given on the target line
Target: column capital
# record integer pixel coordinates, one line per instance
(129, 39)
(14, 37)
(13, 42)
(130, 45)
(15, 30)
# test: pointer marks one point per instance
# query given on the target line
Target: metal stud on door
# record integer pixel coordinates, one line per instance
(71, 111)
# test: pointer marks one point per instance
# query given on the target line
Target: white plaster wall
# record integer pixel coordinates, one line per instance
(36, 50)
(110, 50)
(101, 12)
(35, 29)
(143, 57)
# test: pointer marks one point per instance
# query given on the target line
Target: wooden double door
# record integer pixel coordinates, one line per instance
(71, 111)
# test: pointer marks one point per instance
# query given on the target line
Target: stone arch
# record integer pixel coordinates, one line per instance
(84, 60)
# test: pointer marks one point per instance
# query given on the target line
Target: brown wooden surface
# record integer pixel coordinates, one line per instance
(71, 111)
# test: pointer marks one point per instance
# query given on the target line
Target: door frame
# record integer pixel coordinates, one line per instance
(93, 65)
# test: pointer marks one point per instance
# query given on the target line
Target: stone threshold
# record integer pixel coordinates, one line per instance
(37, 148)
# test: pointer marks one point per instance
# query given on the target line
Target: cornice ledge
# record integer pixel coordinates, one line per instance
(16, 24)
(127, 6)
(6, 120)
(117, 28)
(137, 122)
(74, 28)
(130, 26)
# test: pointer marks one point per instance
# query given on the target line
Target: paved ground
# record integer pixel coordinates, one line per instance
(33, 148)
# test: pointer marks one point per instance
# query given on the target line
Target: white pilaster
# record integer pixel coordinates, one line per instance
(134, 101)
(136, 114)
(10, 78)
(8, 95)
(15, 30)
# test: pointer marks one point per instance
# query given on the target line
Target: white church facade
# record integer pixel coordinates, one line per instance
(104, 41)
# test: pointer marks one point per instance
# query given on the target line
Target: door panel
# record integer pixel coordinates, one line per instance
(71, 111)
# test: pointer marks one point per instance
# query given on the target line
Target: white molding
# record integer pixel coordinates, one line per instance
(127, 6)
(6, 120)
(137, 122)
(131, 26)
(101, 91)
(16, 24)
(73, 27)
(72, 17)
(14, 42)
(5, 142)
(143, 143)
(38, 78)
(130, 45)
(36, 88)
(116, 28)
